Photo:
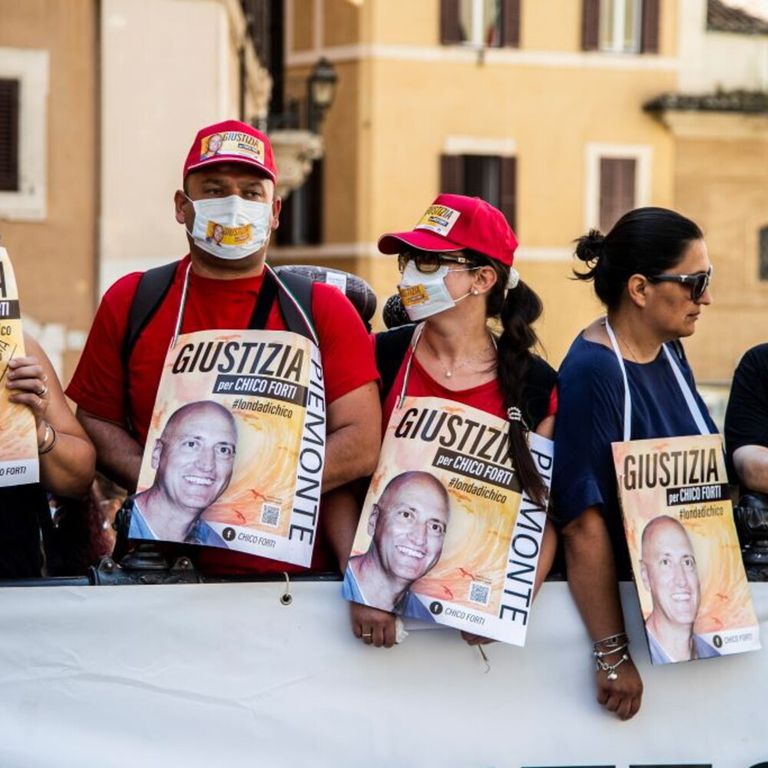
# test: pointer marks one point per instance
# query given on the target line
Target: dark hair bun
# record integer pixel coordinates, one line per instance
(590, 247)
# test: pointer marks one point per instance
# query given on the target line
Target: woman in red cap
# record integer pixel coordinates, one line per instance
(469, 341)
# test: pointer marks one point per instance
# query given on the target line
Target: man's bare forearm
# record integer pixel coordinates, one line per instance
(118, 454)
(354, 437)
(339, 518)
(751, 464)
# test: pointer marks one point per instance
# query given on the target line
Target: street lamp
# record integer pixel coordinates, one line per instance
(321, 89)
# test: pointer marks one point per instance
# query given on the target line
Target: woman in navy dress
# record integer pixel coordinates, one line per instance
(652, 273)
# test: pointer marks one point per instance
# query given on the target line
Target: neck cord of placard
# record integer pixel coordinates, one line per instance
(624, 341)
(182, 305)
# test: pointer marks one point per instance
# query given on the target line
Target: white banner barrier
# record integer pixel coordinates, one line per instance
(224, 675)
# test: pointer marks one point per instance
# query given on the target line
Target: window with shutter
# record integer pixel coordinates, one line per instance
(620, 26)
(24, 77)
(617, 189)
(763, 255)
(481, 23)
(491, 177)
(301, 217)
(9, 135)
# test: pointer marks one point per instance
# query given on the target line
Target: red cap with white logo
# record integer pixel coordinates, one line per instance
(455, 222)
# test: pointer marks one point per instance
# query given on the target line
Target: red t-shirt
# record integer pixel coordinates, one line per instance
(486, 397)
(98, 385)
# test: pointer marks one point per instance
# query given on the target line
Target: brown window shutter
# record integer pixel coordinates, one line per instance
(649, 41)
(9, 135)
(314, 233)
(450, 28)
(617, 189)
(452, 174)
(590, 25)
(301, 216)
(510, 23)
(508, 190)
(763, 253)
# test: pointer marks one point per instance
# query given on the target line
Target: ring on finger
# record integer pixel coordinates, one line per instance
(367, 635)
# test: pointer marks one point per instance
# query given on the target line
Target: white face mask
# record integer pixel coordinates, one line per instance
(230, 227)
(426, 295)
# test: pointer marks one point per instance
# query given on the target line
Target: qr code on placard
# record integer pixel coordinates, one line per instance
(479, 593)
(270, 514)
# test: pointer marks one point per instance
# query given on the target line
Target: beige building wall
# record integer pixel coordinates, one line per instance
(186, 76)
(54, 250)
(718, 60)
(721, 181)
(403, 99)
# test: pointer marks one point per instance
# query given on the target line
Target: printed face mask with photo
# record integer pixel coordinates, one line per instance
(231, 228)
(425, 295)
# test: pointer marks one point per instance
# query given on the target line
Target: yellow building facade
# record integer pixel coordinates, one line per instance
(48, 210)
(560, 113)
(721, 180)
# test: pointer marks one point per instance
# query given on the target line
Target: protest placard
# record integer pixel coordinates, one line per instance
(446, 532)
(686, 559)
(236, 445)
(18, 434)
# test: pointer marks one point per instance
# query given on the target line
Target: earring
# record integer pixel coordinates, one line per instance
(475, 292)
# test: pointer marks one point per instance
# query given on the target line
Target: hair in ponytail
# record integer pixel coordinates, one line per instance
(516, 309)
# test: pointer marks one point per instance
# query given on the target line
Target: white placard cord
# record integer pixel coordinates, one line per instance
(411, 353)
(182, 305)
(690, 400)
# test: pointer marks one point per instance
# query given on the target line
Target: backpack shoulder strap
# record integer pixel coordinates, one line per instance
(153, 286)
(295, 298)
(391, 347)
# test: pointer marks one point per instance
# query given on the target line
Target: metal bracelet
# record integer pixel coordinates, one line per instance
(611, 640)
(600, 654)
(611, 643)
(43, 448)
(610, 669)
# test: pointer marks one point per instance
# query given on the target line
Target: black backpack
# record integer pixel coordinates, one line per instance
(156, 282)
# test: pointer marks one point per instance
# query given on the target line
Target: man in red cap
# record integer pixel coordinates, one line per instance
(229, 210)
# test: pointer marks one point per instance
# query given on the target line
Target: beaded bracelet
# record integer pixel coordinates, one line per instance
(608, 646)
(610, 669)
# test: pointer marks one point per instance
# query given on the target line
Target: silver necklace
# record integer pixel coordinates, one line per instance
(448, 372)
(625, 343)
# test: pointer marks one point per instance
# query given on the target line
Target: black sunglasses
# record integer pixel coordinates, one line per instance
(699, 282)
(428, 263)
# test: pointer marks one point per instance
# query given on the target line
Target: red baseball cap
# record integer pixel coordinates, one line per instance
(231, 142)
(454, 222)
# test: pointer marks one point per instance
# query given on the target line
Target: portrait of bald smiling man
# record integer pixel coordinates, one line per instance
(194, 458)
(669, 572)
(407, 525)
